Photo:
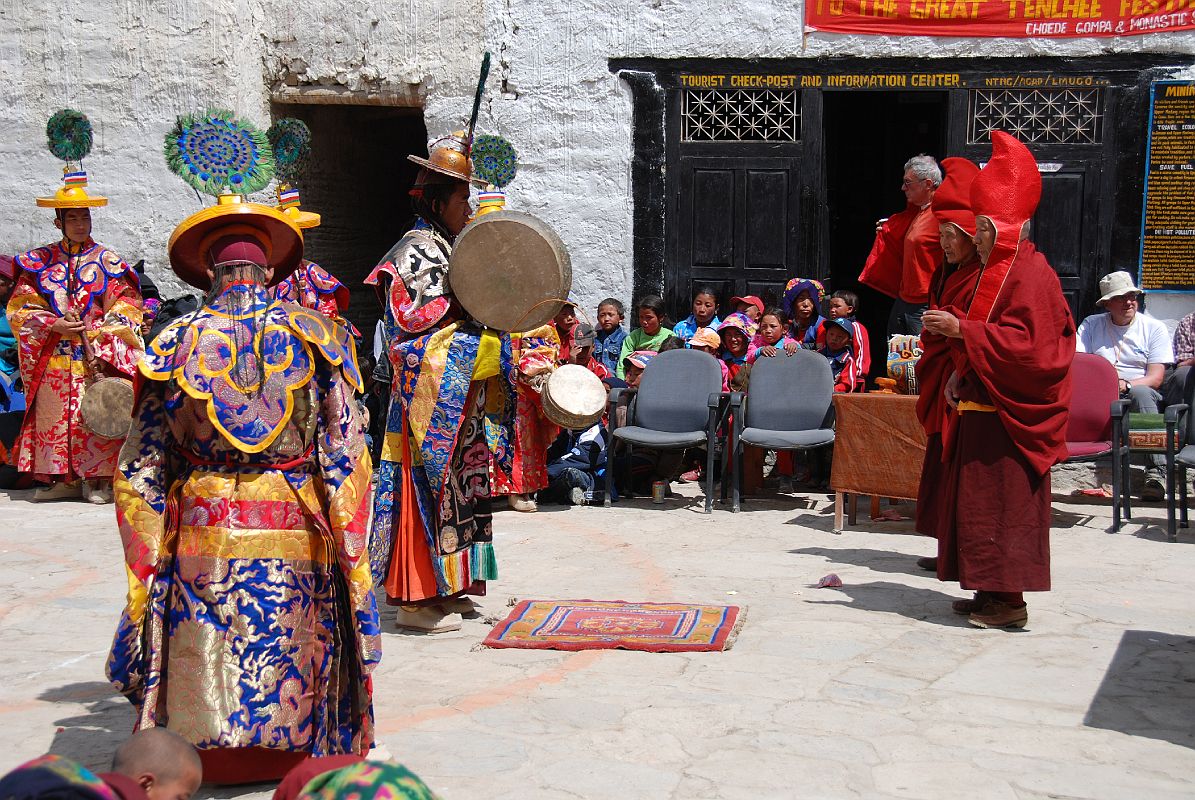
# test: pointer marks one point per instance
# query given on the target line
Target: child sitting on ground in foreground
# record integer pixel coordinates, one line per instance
(161, 763)
(773, 337)
(705, 314)
(651, 332)
(839, 345)
(844, 304)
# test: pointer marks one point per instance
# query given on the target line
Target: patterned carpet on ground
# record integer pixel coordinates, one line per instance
(606, 625)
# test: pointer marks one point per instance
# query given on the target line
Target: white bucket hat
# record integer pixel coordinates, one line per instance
(1116, 284)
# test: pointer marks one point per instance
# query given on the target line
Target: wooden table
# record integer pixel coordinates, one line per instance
(878, 449)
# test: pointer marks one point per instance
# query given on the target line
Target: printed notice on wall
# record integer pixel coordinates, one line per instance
(1168, 220)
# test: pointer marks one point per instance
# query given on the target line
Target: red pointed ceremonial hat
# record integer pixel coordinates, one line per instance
(1007, 190)
(952, 199)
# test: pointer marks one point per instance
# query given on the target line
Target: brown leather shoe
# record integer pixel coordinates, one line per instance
(965, 607)
(928, 563)
(995, 614)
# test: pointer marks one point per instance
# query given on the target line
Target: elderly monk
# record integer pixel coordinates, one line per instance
(1009, 389)
(951, 288)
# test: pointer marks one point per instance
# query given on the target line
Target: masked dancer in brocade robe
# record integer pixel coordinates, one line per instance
(76, 313)
(243, 497)
(1011, 343)
(432, 536)
(951, 288)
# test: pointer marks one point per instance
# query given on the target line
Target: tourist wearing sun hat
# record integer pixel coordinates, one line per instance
(1139, 347)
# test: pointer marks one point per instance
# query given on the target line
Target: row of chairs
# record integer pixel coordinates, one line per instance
(679, 404)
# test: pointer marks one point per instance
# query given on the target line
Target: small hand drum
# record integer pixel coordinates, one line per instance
(574, 397)
(510, 271)
(107, 408)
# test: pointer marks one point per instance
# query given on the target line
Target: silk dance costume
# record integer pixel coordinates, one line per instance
(75, 280)
(432, 535)
(243, 496)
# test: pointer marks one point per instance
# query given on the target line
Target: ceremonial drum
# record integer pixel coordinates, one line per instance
(107, 407)
(510, 271)
(574, 397)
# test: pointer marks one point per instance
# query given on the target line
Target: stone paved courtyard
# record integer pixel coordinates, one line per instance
(874, 690)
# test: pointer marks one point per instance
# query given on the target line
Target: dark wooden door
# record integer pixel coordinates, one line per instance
(737, 227)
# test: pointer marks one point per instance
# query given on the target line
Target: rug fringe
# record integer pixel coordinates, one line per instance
(738, 626)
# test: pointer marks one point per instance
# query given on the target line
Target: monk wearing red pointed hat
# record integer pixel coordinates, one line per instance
(1011, 344)
(950, 289)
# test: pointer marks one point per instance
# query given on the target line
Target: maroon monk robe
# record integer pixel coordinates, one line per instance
(994, 522)
(950, 290)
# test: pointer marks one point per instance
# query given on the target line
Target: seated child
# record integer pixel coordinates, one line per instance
(708, 341)
(705, 314)
(802, 297)
(161, 763)
(840, 335)
(607, 347)
(736, 332)
(844, 304)
(573, 474)
(773, 337)
(564, 322)
(582, 350)
(651, 332)
(750, 305)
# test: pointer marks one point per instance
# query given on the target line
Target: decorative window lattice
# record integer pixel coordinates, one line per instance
(1038, 116)
(740, 115)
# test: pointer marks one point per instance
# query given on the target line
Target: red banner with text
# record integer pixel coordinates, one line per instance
(1018, 19)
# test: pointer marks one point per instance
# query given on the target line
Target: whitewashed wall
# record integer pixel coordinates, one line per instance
(132, 65)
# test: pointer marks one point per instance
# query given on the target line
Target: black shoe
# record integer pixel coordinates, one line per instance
(928, 563)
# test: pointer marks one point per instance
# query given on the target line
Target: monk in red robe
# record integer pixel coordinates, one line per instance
(1010, 389)
(951, 288)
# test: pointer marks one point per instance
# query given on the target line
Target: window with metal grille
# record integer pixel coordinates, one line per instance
(1038, 116)
(740, 115)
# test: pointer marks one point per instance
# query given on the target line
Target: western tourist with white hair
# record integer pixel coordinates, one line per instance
(1139, 347)
(907, 250)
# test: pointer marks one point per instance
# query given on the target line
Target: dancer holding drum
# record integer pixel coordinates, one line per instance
(76, 315)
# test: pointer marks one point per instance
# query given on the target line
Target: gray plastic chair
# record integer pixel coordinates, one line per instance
(677, 405)
(1180, 424)
(787, 407)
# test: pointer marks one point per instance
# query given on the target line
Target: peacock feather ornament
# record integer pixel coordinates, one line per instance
(69, 138)
(290, 139)
(216, 153)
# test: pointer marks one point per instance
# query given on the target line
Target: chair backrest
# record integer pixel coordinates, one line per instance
(1189, 399)
(790, 393)
(1095, 386)
(674, 391)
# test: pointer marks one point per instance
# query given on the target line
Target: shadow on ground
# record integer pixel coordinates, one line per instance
(92, 737)
(1149, 688)
(896, 598)
(878, 560)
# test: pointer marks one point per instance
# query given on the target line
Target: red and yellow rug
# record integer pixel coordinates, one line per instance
(606, 625)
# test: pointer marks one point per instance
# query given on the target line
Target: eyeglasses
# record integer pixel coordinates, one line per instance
(906, 183)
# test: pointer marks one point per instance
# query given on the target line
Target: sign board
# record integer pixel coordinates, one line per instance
(1168, 216)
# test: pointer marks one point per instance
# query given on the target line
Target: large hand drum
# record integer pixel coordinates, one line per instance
(510, 271)
(574, 397)
(107, 407)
